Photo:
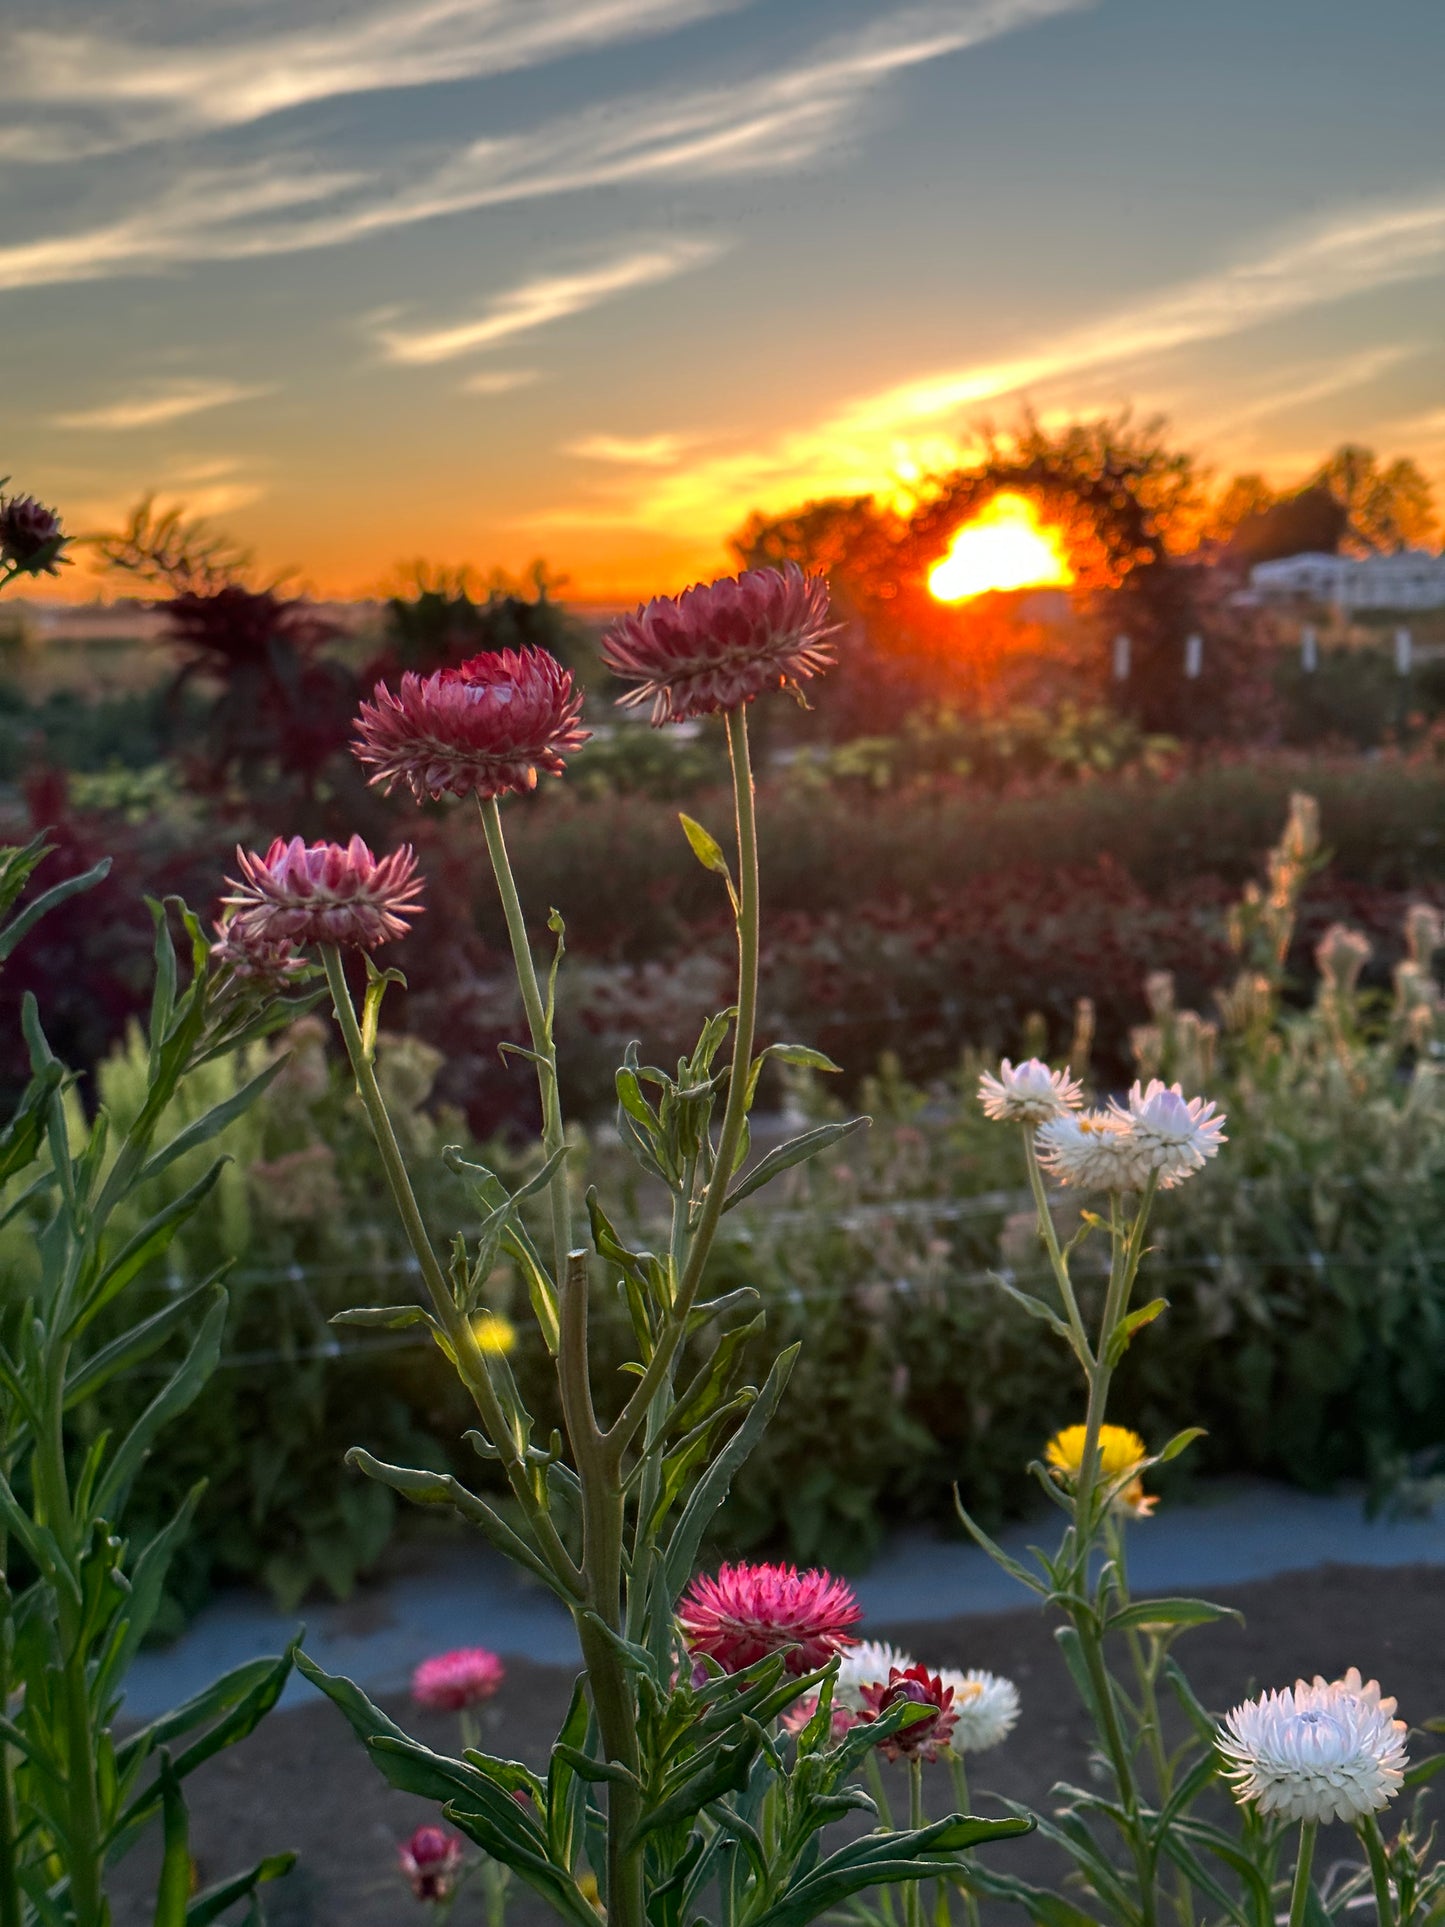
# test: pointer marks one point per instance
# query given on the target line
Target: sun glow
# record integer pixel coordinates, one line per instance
(1006, 547)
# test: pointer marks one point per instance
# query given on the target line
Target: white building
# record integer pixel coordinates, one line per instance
(1411, 579)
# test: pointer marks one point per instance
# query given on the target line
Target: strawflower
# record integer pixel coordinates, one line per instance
(324, 893)
(483, 729)
(986, 1706)
(1032, 1094)
(252, 957)
(1327, 1751)
(925, 1739)
(30, 536)
(450, 1681)
(1094, 1150)
(744, 1612)
(431, 1859)
(867, 1664)
(1170, 1134)
(1120, 1450)
(842, 1719)
(720, 644)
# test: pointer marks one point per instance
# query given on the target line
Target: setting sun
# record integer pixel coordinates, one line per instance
(1006, 547)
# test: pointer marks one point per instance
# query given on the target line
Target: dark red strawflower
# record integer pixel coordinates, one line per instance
(30, 535)
(482, 729)
(924, 1739)
(324, 893)
(720, 644)
(430, 1860)
(745, 1612)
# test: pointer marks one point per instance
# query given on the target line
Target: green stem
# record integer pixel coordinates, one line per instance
(959, 1772)
(10, 1904)
(913, 1892)
(1050, 1236)
(735, 1111)
(1300, 1892)
(1369, 1831)
(538, 1025)
(457, 1327)
(1123, 1269)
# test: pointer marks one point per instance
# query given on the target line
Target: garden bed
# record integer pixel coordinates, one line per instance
(303, 1781)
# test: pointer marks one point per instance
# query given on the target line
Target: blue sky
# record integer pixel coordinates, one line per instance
(481, 280)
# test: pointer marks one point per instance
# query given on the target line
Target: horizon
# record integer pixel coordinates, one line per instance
(591, 280)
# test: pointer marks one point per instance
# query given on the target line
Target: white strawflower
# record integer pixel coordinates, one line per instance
(987, 1708)
(1095, 1150)
(1328, 1751)
(1029, 1095)
(1171, 1134)
(866, 1664)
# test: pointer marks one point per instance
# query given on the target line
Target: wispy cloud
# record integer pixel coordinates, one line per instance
(869, 441)
(770, 122)
(548, 298)
(95, 93)
(159, 404)
(636, 451)
(500, 381)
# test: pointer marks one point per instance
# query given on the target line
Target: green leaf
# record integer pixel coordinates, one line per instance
(441, 1488)
(705, 846)
(882, 1859)
(390, 1318)
(148, 1244)
(712, 1488)
(178, 1392)
(132, 1346)
(1143, 1615)
(174, 1889)
(58, 893)
(807, 1145)
(211, 1123)
(211, 1904)
(1126, 1328)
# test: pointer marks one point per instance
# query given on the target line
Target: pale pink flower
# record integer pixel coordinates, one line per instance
(483, 729)
(252, 957)
(450, 1681)
(1169, 1133)
(744, 1612)
(1093, 1149)
(720, 644)
(324, 893)
(924, 1739)
(431, 1860)
(1032, 1094)
(841, 1720)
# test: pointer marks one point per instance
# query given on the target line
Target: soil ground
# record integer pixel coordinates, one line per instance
(302, 1781)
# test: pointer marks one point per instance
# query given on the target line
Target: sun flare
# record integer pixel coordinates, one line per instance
(1006, 547)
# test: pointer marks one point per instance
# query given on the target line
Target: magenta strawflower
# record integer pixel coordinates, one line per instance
(30, 535)
(324, 893)
(451, 1681)
(744, 1612)
(483, 729)
(720, 644)
(925, 1739)
(431, 1860)
(841, 1718)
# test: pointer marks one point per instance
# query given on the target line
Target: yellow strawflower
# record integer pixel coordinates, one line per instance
(1120, 1450)
(494, 1334)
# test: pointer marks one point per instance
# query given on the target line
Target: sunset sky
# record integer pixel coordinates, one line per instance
(485, 280)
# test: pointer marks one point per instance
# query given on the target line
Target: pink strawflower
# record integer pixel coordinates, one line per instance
(483, 729)
(720, 644)
(431, 1860)
(451, 1681)
(745, 1612)
(843, 1718)
(252, 957)
(925, 1739)
(324, 893)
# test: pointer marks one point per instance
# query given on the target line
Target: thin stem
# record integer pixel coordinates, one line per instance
(1300, 1892)
(735, 1111)
(540, 1029)
(1369, 1831)
(11, 1909)
(462, 1339)
(1123, 1269)
(1050, 1236)
(959, 1772)
(913, 1892)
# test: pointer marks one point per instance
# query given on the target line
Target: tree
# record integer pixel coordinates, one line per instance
(1310, 522)
(1386, 509)
(1245, 499)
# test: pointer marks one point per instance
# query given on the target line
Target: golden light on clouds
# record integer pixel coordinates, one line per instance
(1005, 547)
